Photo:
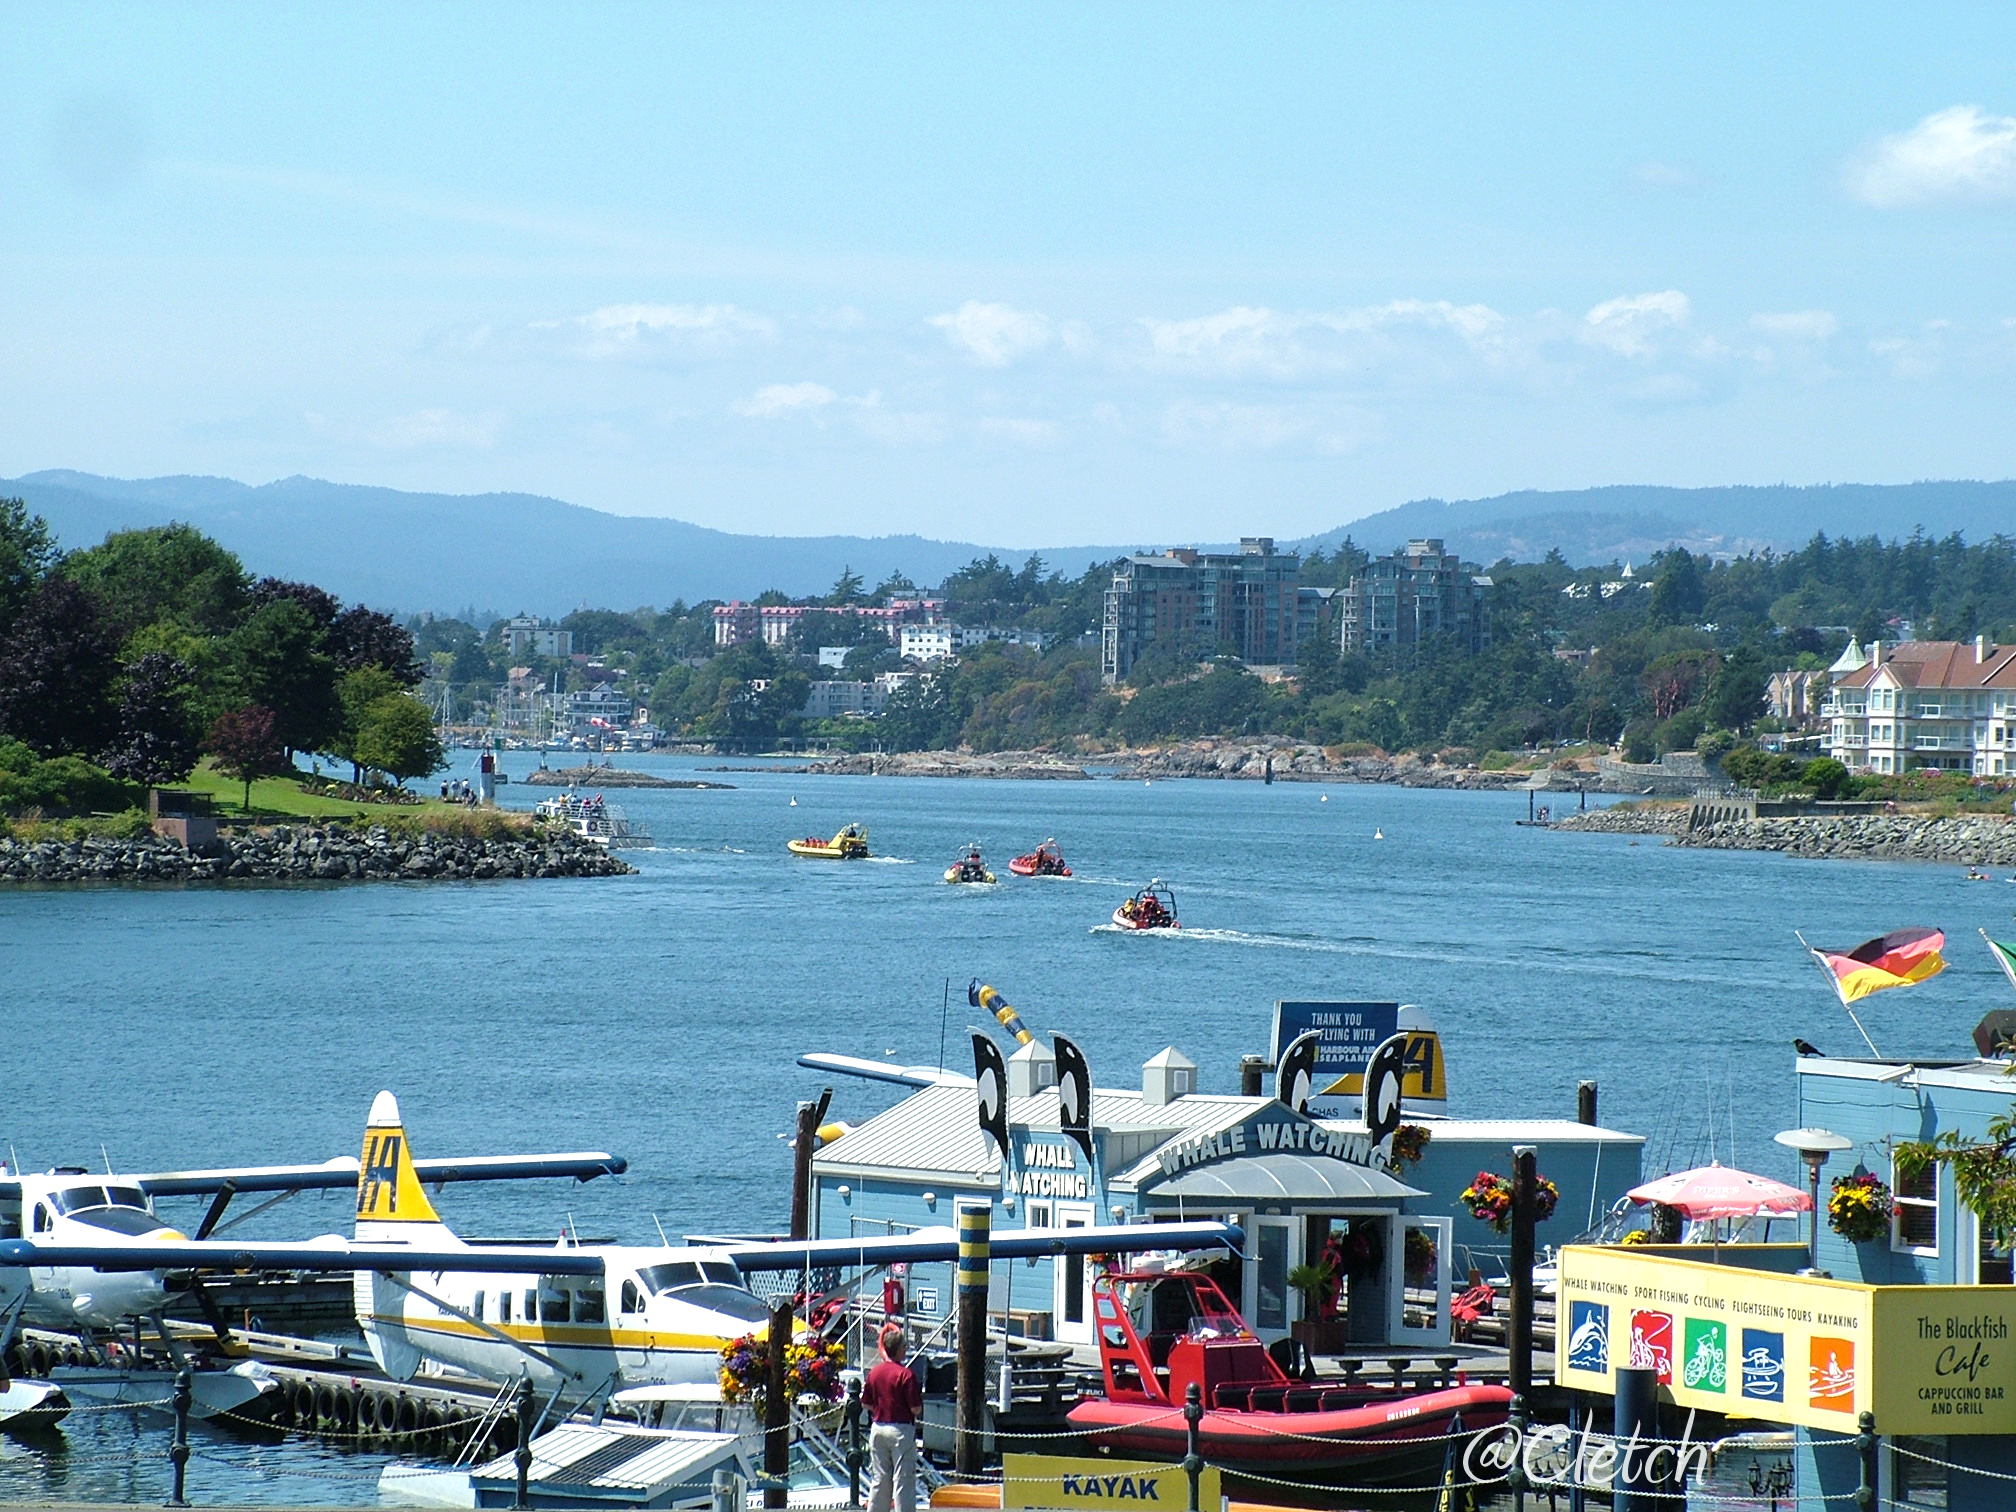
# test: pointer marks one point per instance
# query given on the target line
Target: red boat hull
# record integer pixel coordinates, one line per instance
(1025, 866)
(1293, 1442)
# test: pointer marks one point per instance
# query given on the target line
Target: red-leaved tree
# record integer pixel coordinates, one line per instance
(246, 743)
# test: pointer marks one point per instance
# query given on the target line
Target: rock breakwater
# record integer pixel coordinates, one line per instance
(1027, 765)
(308, 854)
(1964, 839)
(1629, 819)
(1979, 840)
(609, 777)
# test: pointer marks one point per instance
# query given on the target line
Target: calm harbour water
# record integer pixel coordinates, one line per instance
(660, 1015)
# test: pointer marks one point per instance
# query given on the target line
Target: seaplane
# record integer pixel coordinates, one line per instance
(576, 1320)
(71, 1218)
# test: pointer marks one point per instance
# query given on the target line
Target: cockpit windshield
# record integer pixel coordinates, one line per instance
(80, 1199)
(716, 1285)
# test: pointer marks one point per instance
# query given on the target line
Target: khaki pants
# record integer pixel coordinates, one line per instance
(892, 1456)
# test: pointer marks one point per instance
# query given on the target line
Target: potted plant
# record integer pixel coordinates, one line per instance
(1319, 1329)
(1859, 1208)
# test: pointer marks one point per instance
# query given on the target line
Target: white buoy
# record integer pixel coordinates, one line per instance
(1378, 834)
(1324, 799)
(794, 803)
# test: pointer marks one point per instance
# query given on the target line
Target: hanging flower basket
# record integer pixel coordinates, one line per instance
(1859, 1209)
(1410, 1143)
(1489, 1199)
(812, 1367)
(1420, 1261)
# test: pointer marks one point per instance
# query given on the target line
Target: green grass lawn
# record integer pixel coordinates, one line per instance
(283, 798)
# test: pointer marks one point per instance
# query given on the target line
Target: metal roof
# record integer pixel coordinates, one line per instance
(1280, 1177)
(935, 1134)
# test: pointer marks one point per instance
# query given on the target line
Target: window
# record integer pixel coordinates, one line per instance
(1917, 1476)
(589, 1306)
(633, 1299)
(552, 1307)
(1914, 1222)
(530, 1312)
(503, 1307)
(476, 1308)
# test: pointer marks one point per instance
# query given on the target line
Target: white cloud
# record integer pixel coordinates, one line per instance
(633, 330)
(1797, 325)
(994, 334)
(775, 400)
(1959, 154)
(1631, 324)
(1249, 340)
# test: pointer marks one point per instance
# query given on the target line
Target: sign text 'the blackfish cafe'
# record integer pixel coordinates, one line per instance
(1791, 1349)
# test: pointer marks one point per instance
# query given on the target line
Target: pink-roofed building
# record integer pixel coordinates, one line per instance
(1949, 705)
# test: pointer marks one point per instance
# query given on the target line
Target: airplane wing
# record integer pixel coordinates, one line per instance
(883, 1071)
(1003, 1244)
(583, 1165)
(331, 1253)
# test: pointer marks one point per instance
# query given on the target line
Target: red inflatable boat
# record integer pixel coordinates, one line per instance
(1159, 1332)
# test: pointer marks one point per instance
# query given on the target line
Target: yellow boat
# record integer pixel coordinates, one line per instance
(847, 844)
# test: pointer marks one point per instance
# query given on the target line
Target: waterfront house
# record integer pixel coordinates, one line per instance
(1948, 705)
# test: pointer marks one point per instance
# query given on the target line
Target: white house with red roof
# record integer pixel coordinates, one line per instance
(1944, 704)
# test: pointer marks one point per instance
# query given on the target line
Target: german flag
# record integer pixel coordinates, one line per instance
(1902, 958)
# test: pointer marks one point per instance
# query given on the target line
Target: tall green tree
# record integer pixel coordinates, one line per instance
(57, 665)
(165, 572)
(397, 738)
(277, 662)
(159, 738)
(27, 552)
(356, 692)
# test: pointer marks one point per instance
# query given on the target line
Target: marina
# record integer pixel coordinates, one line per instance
(716, 1051)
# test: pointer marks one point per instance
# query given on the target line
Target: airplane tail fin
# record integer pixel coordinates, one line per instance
(392, 1205)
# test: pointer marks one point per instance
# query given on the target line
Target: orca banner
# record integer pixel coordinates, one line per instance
(990, 1078)
(1384, 1074)
(1074, 1093)
(1295, 1077)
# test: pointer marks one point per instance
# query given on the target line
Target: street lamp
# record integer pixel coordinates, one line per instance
(1814, 1146)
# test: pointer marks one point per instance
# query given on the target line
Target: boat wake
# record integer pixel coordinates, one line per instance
(1230, 937)
(889, 860)
(704, 850)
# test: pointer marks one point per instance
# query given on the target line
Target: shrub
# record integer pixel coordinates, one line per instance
(64, 784)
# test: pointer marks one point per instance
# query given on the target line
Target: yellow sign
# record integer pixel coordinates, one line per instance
(1790, 1349)
(1948, 1359)
(1042, 1480)
(1422, 1078)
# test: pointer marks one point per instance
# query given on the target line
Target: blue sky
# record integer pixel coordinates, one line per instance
(1025, 274)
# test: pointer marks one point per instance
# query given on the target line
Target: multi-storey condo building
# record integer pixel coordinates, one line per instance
(1416, 594)
(736, 622)
(1944, 704)
(526, 636)
(1203, 603)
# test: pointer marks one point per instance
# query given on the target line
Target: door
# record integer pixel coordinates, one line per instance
(1267, 1284)
(1074, 1284)
(1418, 1282)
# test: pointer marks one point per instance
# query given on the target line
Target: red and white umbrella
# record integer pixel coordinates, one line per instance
(1718, 1191)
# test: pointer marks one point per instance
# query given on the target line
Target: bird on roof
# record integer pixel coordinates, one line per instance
(1806, 1048)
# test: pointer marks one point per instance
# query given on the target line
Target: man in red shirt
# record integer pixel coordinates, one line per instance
(894, 1400)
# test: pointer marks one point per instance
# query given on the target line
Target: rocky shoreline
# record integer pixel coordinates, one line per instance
(308, 854)
(1248, 761)
(1961, 840)
(609, 777)
(1237, 760)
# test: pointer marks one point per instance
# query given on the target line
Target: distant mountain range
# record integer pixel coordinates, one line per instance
(523, 552)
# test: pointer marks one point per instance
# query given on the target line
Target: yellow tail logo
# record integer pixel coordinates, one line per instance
(388, 1188)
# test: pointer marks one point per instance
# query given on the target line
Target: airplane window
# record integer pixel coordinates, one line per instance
(476, 1308)
(503, 1307)
(531, 1309)
(633, 1300)
(722, 1272)
(76, 1199)
(589, 1306)
(125, 1196)
(43, 1222)
(10, 1210)
(553, 1307)
(671, 1276)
